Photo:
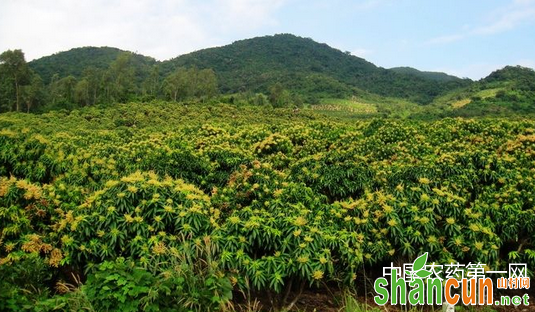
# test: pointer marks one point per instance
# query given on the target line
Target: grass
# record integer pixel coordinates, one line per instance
(457, 100)
(346, 105)
(461, 103)
(367, 105)
(488, 93)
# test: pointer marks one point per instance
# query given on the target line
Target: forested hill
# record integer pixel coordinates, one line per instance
(74, 62)
(282, 70)
(505, 92)
(305, 66)
(425, 74)
(523, 77)
(301, 65)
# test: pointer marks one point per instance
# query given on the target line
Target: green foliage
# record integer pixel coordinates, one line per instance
(14, 74)
(33, 94)
(73, 300)
(291, 69)
(23, 284)
(188, 280)
(201, 200)
(25, 221)
(425, 74)
(138, 216)
(74, 62)
(278, 96)
(306, 67)
(190, 83)
(119, 79)
(505, 92)
(119, 286)
(191, 279)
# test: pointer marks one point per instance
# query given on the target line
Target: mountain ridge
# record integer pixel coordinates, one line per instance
(316, 71)
(440, 76)
(509, 90)
(74, 61)
(300, 64)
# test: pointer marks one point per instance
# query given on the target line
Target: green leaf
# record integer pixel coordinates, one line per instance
(216, 299)
(419, 263)
(423, 273)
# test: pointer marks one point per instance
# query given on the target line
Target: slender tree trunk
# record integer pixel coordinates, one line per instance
(18, 94)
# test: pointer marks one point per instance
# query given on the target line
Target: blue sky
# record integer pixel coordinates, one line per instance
(467, 38)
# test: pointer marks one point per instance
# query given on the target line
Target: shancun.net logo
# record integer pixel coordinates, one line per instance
(451, 284)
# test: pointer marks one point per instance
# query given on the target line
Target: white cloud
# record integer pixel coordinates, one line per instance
(506, 22)
(507, 18)
(162, 29)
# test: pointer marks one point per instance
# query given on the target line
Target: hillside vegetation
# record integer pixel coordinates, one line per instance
(74, 62)
(281, 71)
(299, 64)
(506, 92)
(425, 74)
(308, 71)
(309, 68)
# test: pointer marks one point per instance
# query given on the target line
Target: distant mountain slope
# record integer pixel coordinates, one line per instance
(522, 77)
(438, 76)
(260, 62)
(74, 61)
(299, 64)
(506, 91)
(304, 65)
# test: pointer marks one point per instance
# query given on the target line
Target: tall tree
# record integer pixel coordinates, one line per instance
(16, 71)
(93, 76)
(206, 83)
(186, 83)
(260, 99)
(123, 77)
(65, 89)
(151, 85)
(54, 91)
(7, 92)
(278, 96)
(82, 94)
(33, 93)
(176, 85)
(107, 86)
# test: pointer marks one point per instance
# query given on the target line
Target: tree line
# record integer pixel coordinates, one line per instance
(23, 90)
